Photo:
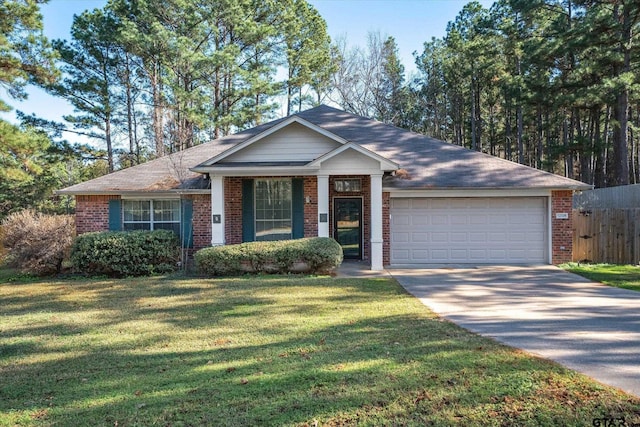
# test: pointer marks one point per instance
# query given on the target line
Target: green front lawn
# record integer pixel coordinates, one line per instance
(267, 351)
(621, 276)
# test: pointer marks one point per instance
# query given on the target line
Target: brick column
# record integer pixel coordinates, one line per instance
(561, 229)
(311, 208)
(386, 228)
(201, 221)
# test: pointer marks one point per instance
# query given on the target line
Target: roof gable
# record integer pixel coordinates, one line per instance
(384, 163)
(304, 141)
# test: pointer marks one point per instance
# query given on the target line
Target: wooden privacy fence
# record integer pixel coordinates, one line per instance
(606, 235)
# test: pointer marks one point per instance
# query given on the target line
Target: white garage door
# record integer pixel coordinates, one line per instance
(508, 230)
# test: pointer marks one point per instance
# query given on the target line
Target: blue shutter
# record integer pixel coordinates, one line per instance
(115, 215)
(186, 223)
(248, 222)
(297, 205)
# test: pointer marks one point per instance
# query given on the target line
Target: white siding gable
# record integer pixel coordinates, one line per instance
(294, 143)
(350, 162)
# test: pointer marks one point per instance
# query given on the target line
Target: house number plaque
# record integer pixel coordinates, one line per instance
(217, 219)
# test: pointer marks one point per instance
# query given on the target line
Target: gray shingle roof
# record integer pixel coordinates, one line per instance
(431, 163)
(427, 163)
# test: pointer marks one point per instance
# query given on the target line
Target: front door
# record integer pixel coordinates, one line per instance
(347, 226)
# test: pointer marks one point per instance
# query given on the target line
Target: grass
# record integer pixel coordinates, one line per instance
(277, 350)
(620, 276)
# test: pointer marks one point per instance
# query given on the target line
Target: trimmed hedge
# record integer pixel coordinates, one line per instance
(309, 255)
(126, 253)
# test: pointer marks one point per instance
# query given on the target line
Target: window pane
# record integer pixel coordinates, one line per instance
(348, 185)
(137, 210)
(166, 210)
(173, 226)
(273, 209)
(130, 226)
(137, 215)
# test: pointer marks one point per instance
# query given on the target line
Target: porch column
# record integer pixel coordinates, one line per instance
(323, 205)
(376, 223)
(217, 210)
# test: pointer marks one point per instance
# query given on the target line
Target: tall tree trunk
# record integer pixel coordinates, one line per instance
(474, 141)
(600, 164)
(520, 131)
(539, 137)
(158, 110)
(130, 112)
(107, 138)
(508, 132)
(568, 157)
(620, 161)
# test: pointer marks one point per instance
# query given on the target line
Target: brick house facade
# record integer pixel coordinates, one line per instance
(92, 214)
(315, 149)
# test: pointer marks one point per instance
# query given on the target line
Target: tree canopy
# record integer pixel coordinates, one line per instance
(553, 84)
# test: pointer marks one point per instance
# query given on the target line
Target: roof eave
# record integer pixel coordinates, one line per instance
(522, 188)
(257, 170)
(175, 191)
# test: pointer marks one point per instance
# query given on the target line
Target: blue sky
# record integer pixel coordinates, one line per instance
(410, 22)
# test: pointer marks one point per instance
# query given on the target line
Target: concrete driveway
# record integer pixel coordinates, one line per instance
(586, 326)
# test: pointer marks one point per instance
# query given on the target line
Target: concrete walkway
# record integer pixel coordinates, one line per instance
(586, 326)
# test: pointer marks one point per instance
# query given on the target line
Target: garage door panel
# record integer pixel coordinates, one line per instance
(420, 220)
(497, 237)
(478, 237)
(477, 254)
(419, 204)
(420, 237)
(400, 254)
(518, 237)
(459, 219)
(439, 219)
(458, 237)
(479, 219)
(478, 230)
(439, 237)
(535, 238)
(401, 203)
(400, 238)
(438, 255)
(400, 219)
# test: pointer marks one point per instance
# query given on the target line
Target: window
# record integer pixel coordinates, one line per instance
(151, 215)
(273, 209)
(348, 185)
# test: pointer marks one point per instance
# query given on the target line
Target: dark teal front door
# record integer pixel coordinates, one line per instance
(347, 226)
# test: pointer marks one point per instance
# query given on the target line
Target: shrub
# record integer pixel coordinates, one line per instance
(314, 255)
(126, 253)
(37, 243)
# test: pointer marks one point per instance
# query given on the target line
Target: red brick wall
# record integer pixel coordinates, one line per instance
(201, 220)
(365, 194)
(561, 229)
(311, 209)
(386, 228)
(233, 210)
(92, 213)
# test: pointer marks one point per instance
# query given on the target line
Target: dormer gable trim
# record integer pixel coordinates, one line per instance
(385, 164)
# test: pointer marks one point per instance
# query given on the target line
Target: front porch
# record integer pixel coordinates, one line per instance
(348, 208)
